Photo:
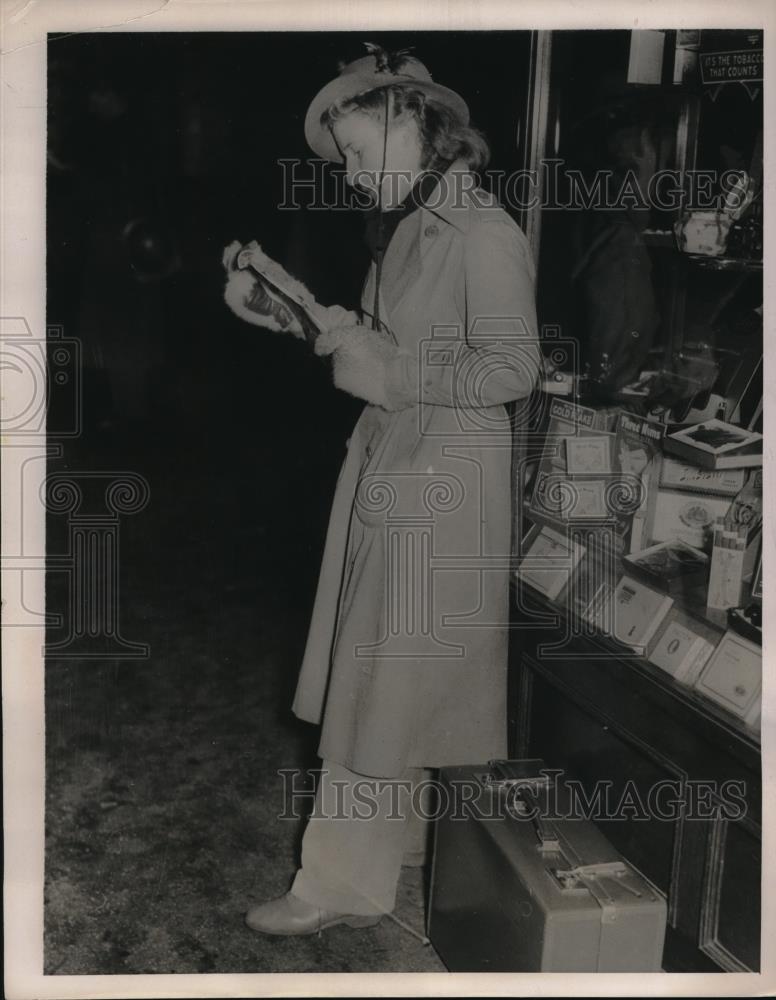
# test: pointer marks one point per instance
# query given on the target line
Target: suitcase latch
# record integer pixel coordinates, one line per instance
(581, 873)
(594, 878)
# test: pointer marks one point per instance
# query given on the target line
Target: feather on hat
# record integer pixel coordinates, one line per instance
(379, 68)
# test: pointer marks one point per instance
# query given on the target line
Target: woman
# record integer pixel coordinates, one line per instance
(406, 658)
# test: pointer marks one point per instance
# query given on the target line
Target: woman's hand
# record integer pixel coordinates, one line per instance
(248, 297)
(363, 361)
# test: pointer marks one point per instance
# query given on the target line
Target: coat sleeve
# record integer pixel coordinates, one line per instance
(498, 358)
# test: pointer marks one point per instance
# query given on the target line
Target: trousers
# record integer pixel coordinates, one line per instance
(360, 830)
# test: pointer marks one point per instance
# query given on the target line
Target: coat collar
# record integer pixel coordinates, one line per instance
(453, 203)
(451, 200)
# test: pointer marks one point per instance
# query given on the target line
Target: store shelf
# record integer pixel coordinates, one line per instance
(724, 263)
(666, 242)
(587, 645)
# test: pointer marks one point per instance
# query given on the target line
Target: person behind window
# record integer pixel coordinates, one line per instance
(613, 308)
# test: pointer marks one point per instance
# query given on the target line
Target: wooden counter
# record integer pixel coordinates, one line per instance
(679, 777)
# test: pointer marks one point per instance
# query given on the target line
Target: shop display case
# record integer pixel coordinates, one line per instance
(634, 675)
(679, 777)
(650, 174)
(636, 664)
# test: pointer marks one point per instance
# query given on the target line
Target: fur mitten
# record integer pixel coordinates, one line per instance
(259, 302)
(364, 363)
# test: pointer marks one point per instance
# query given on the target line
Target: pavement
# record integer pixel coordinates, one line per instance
(163, 793)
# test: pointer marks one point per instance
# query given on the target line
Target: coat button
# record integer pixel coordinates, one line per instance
(431, 231)
(635, 334)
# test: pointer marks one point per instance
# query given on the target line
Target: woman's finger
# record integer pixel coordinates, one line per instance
(230, 255)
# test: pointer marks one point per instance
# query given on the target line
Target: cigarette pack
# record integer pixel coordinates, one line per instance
(681, 652)
(733, 677)
(634, 613)
(728, 559)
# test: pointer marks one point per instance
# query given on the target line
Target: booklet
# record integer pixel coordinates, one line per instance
(262, 292)
(638, 449)
(634, 613)
(577, 441)
(549, 562)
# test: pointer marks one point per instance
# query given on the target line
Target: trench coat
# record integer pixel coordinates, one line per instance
(406, 657)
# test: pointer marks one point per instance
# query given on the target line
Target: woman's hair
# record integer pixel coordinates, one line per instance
(442, 133)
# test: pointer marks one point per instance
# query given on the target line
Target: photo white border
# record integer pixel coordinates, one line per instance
(24, 24)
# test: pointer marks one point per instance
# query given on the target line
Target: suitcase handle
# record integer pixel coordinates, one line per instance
(502, 776)
(521, 795)
(546, 831)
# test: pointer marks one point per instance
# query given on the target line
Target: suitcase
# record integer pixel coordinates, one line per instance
(514, 890)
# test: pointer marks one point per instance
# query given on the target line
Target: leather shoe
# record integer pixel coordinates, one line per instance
(291, 915)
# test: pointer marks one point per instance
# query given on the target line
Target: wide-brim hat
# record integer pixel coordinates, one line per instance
(378, 69)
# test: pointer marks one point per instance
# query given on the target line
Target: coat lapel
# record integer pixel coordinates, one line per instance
(403, 259)
(401, 266)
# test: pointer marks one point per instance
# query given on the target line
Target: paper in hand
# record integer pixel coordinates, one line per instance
(262, 292)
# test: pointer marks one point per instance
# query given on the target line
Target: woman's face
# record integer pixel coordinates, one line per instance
(360, 138)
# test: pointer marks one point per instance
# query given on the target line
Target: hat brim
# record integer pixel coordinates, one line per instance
(350, 85)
